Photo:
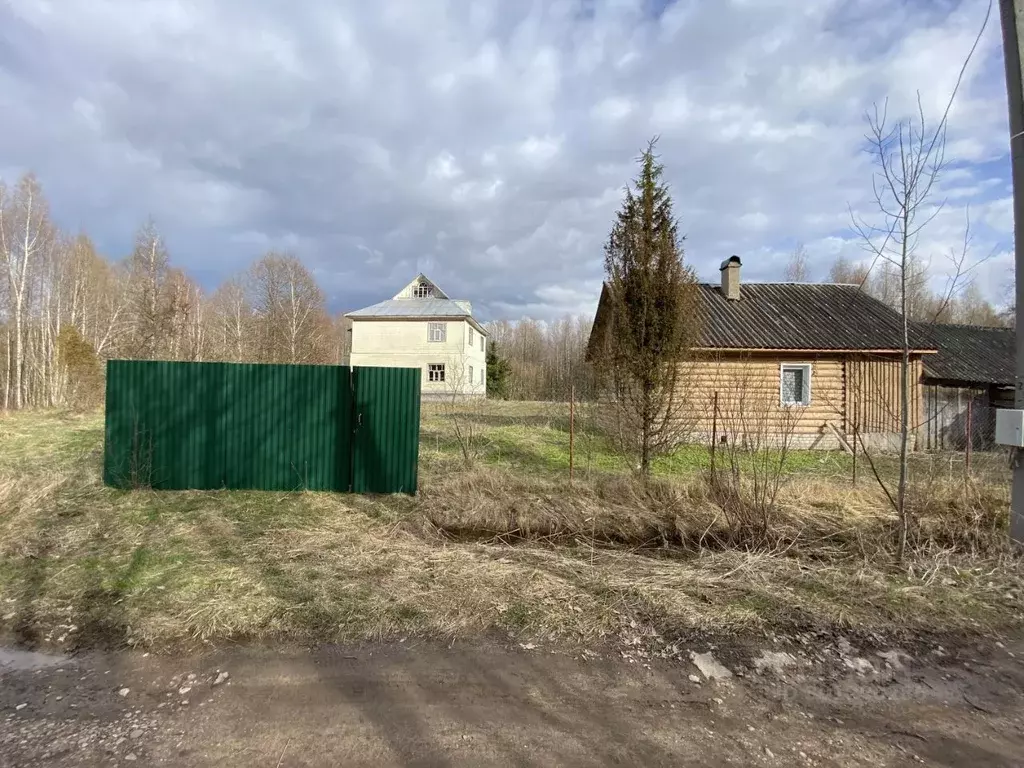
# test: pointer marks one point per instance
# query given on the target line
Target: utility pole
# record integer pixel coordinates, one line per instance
(1011, 13)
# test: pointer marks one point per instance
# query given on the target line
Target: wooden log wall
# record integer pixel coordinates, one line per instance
(873, 393)
(749, 392)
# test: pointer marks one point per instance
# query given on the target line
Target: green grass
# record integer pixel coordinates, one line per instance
(534, 437)
(162, 569)
(49, 439)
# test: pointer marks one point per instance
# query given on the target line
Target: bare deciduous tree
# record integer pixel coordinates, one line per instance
(909, 155)
(291, 319)
(64, 309)
(461, 411)
(151, 307)
(231, 322)
(755, 435)
(796, 267)
(25, 235)
(545, 360)
(187, 333)
(848, 273)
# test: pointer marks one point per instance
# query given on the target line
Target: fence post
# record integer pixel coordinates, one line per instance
(572, 425)
(714, 437)
(970, 435)
(855, 440)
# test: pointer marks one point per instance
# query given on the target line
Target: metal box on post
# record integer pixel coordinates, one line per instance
(1010, 427)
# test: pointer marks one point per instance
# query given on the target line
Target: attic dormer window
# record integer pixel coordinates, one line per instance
(422, 291)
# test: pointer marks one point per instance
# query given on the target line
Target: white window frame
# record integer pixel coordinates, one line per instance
(435, 368)
(483, 375)
(422, 291)
(471, 335)
(482, 343)
(471, 375)
(437, 332)
(807, 369)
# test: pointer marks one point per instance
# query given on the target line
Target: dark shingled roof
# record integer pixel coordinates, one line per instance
(970, 354)
(823, 316)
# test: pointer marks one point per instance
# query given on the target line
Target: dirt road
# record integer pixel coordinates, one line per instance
(427, 705)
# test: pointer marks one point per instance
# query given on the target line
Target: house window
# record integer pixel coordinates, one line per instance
(422, 291)
(481, 343)
(437, 331)
(471, 335)
(471, 374)
(435, 372)
(795, 382)
(483, 375)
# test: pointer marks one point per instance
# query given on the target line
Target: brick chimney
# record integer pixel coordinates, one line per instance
(731, 278)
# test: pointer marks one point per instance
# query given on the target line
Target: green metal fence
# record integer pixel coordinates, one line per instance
(173, 425)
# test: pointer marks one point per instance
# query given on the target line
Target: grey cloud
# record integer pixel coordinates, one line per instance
(242, 126)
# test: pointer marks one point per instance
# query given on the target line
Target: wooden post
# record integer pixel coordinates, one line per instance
(572, 425)
(714, 436)
(855, 438)
(970, 435)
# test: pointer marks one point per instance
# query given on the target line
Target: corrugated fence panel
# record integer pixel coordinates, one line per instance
(174, 425)
(387, 429)
(158, 430)
(284, 427)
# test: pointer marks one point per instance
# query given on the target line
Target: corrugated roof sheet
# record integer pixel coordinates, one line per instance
(412, 308)
(824, 316)
(418, 308)
(971, 354)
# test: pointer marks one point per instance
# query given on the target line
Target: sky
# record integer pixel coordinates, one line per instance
(487, 143)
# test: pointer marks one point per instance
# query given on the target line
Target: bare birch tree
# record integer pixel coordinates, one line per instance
(231, 322)
(187, 335)
(291, 318)
(65, 308)
(150, 305)
(25, 234)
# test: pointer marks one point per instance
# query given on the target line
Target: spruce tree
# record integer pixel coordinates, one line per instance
(654, 318)
(498, 371)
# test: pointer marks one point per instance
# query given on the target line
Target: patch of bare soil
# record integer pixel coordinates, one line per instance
(781, 701)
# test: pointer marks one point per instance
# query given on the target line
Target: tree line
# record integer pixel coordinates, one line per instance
(64, 308)
(545, 360)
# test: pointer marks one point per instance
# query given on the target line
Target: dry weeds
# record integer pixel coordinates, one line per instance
(482, 551)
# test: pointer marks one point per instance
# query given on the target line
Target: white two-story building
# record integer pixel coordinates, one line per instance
(422, 328)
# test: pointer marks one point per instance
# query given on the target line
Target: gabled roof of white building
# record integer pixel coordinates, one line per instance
(413, 308)
(406, 305)
(423, 282)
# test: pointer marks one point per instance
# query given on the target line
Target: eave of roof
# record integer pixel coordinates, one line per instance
(814, 350)
(386, 310)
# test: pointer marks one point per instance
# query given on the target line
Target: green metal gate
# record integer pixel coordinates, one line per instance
(174, 425)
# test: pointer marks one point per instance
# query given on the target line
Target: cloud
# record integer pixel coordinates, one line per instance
(486, 143)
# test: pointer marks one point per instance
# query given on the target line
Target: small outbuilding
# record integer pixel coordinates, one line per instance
(965, 382)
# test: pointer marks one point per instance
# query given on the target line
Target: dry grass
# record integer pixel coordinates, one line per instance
(494, 549)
